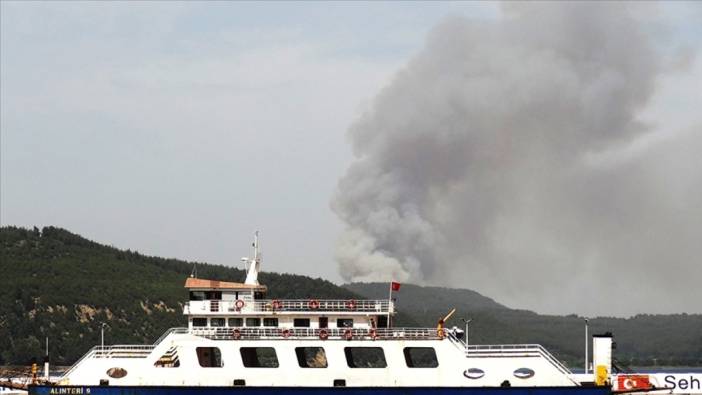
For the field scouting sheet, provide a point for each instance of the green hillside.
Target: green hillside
(642, 340)
(58, 284)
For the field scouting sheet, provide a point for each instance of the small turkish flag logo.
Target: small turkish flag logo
(633, 381)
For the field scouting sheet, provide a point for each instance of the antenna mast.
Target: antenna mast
(254, 263)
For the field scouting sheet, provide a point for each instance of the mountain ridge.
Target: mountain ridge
(62, 285)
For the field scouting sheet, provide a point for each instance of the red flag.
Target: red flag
(633, 381)
(395, 286)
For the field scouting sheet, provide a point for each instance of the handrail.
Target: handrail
(290, 305)
(330, 333)
(506, 348)
(176, 330)
(123, 350)
(75, 365)
(104, 352)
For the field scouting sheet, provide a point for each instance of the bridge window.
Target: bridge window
(259, 357)
(199, 321)
(311, 357)
(197, 295)
(217, 322)
(365, 357)
(209, 357)
(253, 322)
(344, 323)
(301, 322)
(236, 322)
(270, 322)
(213, 295)
(420, 357)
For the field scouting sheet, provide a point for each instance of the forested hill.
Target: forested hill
(642, 340)
(57, 284)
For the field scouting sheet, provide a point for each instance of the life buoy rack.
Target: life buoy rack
(239, 304)
(351, 304)
(323, 334)
(373, 334)
(286, 333)
(348, 334)
(277, 304)
(313, 304)
(236, 334)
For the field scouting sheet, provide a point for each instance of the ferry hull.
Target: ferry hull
(179, 390)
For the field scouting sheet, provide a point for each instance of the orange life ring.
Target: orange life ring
(277, 304)
(313, 304)
(348, 334)
(373, 334)
(239, 304)
(286, 333)
(323, 334)
(236, 334)
(351, 304)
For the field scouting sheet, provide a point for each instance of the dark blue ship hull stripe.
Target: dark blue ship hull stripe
(243, 390)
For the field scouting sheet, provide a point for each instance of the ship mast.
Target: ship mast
(254, 263)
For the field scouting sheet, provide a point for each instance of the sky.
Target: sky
(179, 128)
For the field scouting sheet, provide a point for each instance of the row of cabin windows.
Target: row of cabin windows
(269, 322)
(217, 295)
(315, 357)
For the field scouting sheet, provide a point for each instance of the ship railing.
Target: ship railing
(288, 305)
(314, 333)
(516, 350)
(169, 332)
(123, 351)
(116, 351)
(87, 355)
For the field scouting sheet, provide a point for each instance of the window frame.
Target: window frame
(222, 320)
(342, 320)
(216, 355)
(230, 320)
(200, 319)
(348, 353)
(299, 353)
(410, 362)
(245, 361)
(246, 322)
(270, 319)
(296, 320)
(197, 296)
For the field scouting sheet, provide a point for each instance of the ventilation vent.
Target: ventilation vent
(339, 383)
(523, 373)
(474, 373)
(116, 373)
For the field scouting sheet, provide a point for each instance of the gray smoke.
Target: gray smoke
(504, 158)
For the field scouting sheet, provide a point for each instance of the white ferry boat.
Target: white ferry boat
(239, 342)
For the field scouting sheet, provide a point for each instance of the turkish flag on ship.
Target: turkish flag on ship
(633, 381)
(395, 286)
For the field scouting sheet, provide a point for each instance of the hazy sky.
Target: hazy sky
(177, 129)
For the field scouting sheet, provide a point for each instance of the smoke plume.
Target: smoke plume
(503, 158)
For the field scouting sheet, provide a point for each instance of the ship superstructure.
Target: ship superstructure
(238, 338)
